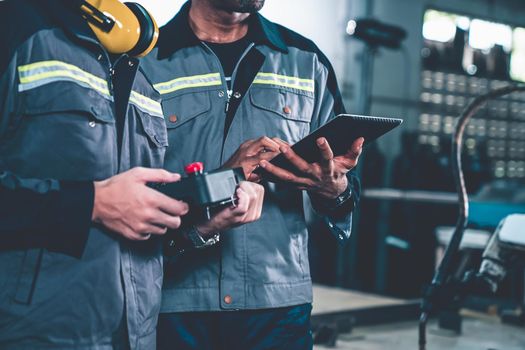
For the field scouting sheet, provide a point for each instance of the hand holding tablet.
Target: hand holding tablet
(326, 152)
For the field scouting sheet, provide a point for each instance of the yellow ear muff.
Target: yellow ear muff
(149, 33)
(133, 30)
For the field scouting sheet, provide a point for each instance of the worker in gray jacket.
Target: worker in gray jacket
(80, 262)
(80, 254)
(237, 89)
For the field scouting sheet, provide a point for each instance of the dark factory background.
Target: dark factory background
(453, 52)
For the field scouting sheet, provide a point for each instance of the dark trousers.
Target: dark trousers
(286, 328)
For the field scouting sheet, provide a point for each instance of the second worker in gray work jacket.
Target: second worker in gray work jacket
(280, 86)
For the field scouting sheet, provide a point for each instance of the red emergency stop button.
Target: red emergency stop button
(194, 168)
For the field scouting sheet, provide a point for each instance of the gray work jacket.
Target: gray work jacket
(286, 89)
(66, 283)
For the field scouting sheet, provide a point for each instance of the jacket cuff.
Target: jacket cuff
(71, 213)
(335, 208)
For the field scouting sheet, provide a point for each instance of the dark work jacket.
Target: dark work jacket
(284, 87)
(65, 282)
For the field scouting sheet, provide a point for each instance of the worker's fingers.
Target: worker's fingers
(327, 155)
(165, 220)
(169, 205)
(285, 175)
(264, 144)
(146, 175)
(299, 163)
(325, 149)
(280, 142)
(350, 158)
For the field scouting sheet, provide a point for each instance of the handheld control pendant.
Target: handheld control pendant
(205, 193)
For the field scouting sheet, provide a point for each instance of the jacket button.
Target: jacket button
(287, 110)
(228, 299)
(237, 95)
(173, 118)
(221, 93)
(92, 124)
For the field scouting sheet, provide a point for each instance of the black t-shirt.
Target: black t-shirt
(229, 54)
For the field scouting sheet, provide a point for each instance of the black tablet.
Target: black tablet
(340, 132)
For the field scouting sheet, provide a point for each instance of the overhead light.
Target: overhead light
(350, 27)
(376, 33)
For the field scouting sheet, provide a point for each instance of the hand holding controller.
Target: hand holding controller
(206, 193)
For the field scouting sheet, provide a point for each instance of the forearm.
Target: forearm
(49, 214)
(196, 233)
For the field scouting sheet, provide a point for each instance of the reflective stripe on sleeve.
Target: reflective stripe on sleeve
(45, 72)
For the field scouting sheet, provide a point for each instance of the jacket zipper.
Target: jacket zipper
(106, 56)
(229, 92)
(111, 71)
(234, 73)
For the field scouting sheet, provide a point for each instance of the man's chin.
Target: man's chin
(250, 6)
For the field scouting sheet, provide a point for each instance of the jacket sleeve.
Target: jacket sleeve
(36, 213)
(328, 104)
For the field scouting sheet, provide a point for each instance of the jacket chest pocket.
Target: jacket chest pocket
(192, 129)
(183, 108)
(154, 130)
(64, 131)
(285, 113)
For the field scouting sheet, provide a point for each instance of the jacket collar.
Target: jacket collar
(177, 33)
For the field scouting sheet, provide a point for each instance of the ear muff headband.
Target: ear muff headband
(133, 32)
(149, 31)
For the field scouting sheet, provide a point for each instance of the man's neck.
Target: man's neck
(216, 25)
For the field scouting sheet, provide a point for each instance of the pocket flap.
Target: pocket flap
(155, 128)
(183, 108)
(64, 97)
(286, 103)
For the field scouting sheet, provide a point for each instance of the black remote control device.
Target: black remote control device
(205, 192)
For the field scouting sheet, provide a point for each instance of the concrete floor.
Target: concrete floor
(479, 333)
(330, 299)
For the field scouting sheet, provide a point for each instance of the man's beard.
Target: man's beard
(249, 6)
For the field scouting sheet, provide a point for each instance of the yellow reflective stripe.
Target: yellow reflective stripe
(279, 76)
(285, 81)
(146, 104)
(59, 74)
(45, 72)
(193, 81)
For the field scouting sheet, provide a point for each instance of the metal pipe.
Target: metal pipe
(443, 273)
(411, 195)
